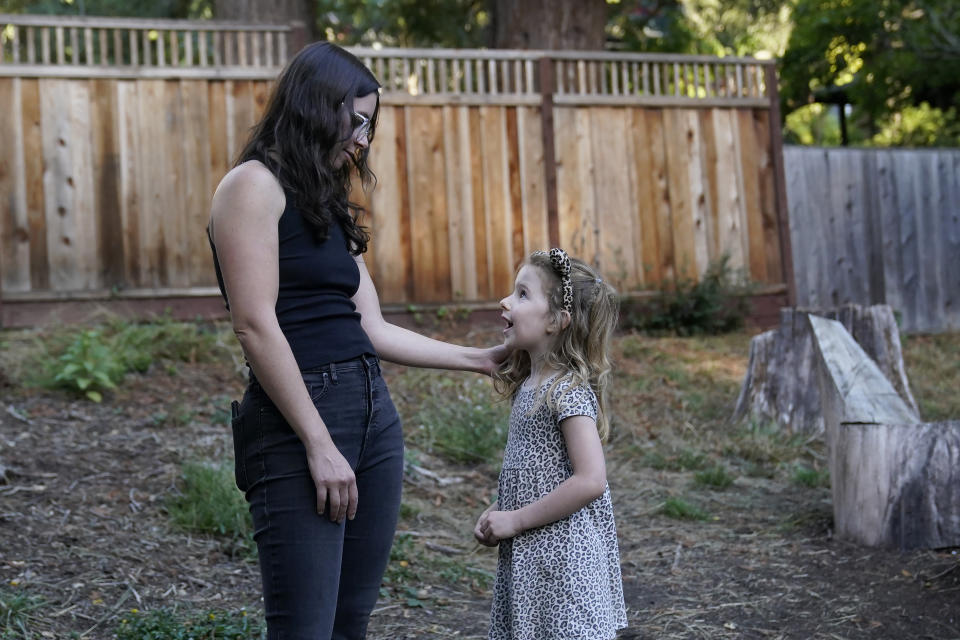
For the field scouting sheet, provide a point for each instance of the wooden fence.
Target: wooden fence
(878, 226)
(116, 132)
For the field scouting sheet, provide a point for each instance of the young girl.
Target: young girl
(558, 574)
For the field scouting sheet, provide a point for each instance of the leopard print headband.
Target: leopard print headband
(560, 262)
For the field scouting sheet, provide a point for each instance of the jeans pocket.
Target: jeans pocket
(317, 385)
(239, 462)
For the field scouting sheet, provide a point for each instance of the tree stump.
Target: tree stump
(895, 481)
(781, 381)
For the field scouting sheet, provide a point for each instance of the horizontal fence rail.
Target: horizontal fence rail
(70, 46)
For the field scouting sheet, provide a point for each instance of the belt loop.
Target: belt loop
(333, 372)
(370, 362)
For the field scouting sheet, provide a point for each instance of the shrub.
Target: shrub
(88, 366)
(90, 362)
(716, 303)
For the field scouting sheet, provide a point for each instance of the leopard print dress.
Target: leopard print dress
(560, 581)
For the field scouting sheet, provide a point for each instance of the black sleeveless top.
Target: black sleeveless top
(314, 305)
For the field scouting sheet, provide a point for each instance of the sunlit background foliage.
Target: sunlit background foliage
(888, 66)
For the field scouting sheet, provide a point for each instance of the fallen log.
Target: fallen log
(895, 481)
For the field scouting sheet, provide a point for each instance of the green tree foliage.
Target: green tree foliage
(894, 61)
(710, 27)
(405, 23)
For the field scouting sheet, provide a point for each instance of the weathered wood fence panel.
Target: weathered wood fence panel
(662, 163)
(877, 226)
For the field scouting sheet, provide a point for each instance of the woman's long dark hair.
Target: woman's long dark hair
(303, 126)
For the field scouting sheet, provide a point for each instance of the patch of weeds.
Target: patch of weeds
(479, 580)
(757, 470)
(402, 570)
(90, 361)
(408, 511)
(682, 460)
(812, 478)
(765, 444)
(208, 501)
(716, 477)
(680, 509)
(177, 417)
(462, 421)
(817, 520)
(17, 613)
(170, 624)
(716, 303)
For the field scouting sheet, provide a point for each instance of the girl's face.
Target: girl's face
(356, 132)
(527, 314)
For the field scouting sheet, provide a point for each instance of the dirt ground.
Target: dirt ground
(83, 526)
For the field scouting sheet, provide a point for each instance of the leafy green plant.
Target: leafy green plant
(16, 613)
(716, 477)
(94, 360)
(208, 501)
(170, 624)
(680, 509)
(88, 366)
(716, 303)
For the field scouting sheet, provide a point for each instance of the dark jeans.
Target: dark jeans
(321, 579)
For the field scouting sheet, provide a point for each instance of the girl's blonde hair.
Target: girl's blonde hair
(582, 348)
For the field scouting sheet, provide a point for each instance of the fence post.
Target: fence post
(780, 182)
(298, 40)
(549, 150)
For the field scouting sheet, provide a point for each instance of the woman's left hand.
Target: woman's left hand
(493, 356)
(500, 525)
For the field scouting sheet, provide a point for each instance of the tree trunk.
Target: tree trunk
(275, 12)
(895, 481)
(781, 381)
(550, 24)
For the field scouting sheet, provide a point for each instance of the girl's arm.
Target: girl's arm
(406, 347)
(243, 222)
(588, 482)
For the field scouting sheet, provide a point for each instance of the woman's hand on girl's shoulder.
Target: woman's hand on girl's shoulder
(493, 356)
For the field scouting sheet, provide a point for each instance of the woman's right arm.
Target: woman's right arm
(243, 224)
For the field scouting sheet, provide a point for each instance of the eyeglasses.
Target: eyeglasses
(361, 125)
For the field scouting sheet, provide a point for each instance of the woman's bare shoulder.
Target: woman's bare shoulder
(251, 176)
(248, 189)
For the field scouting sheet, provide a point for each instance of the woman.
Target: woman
(318, 444)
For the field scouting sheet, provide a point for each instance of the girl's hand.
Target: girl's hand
(335, 482)
(481, 526)
(499, 525)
